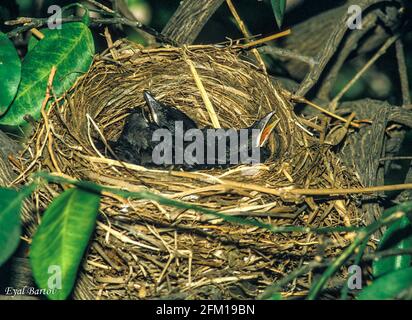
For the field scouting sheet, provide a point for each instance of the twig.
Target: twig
(96, 246)
(352, 40)
(121, 8)
(329, 113)
(109, 41)
(46, 118)
(245, 32)
(275, 51)
(316, 192)
(266, 39)
(37, 33)
(396, 158)
(48, 88)
(203, 93)
(40, 148)
(375, 57)
(124, 238)
(29, 23)
(101, 6)
(148, 196)
(403, 73)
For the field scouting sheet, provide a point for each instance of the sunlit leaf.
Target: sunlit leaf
(70, 50)
(398, 236)
(61, 239)
(388, 286)
(279, 7)
(10, 71)
(10, 228)
(33, 41)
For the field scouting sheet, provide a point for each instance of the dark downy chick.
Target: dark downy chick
(165, 116)
(135, 144)
(264, 127)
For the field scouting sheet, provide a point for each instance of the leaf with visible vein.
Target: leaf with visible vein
(10, 72)
(33, 41)
(70, 50)
(62, 238)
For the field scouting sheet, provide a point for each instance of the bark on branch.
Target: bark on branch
(189, 19)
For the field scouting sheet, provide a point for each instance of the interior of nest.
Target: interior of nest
(162, 251)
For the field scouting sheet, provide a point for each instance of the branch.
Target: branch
(363, 149)
(189, 19)
(29, 23)
(290, 54)
(401, 116)
(357, 76)
(331, 47)
(403, 73)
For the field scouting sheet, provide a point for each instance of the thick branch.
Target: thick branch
(189, 19)
(330, 48)
(403, 73)
(364, 148)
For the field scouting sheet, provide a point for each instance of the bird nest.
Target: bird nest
(142, 249)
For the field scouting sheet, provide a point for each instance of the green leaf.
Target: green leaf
(276, 296)
(33, 41)
(61, 239)
(397, 236)
(10, 228)
(388, 286)
(279, 7)
(70, 49)
(10, 72)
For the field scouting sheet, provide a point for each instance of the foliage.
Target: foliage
(70, 49)
(62, 237)
(278, 7)
(398, 235)
(10, 229)
(10, 70)
(393, 218)
(389, 286)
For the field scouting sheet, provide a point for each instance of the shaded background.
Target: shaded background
(381, 81)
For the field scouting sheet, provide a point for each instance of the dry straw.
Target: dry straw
(144, 250)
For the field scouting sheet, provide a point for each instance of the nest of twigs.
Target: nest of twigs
(144, 250)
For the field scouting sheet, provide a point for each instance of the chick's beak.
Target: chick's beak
(266, 126)
(152, 105)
